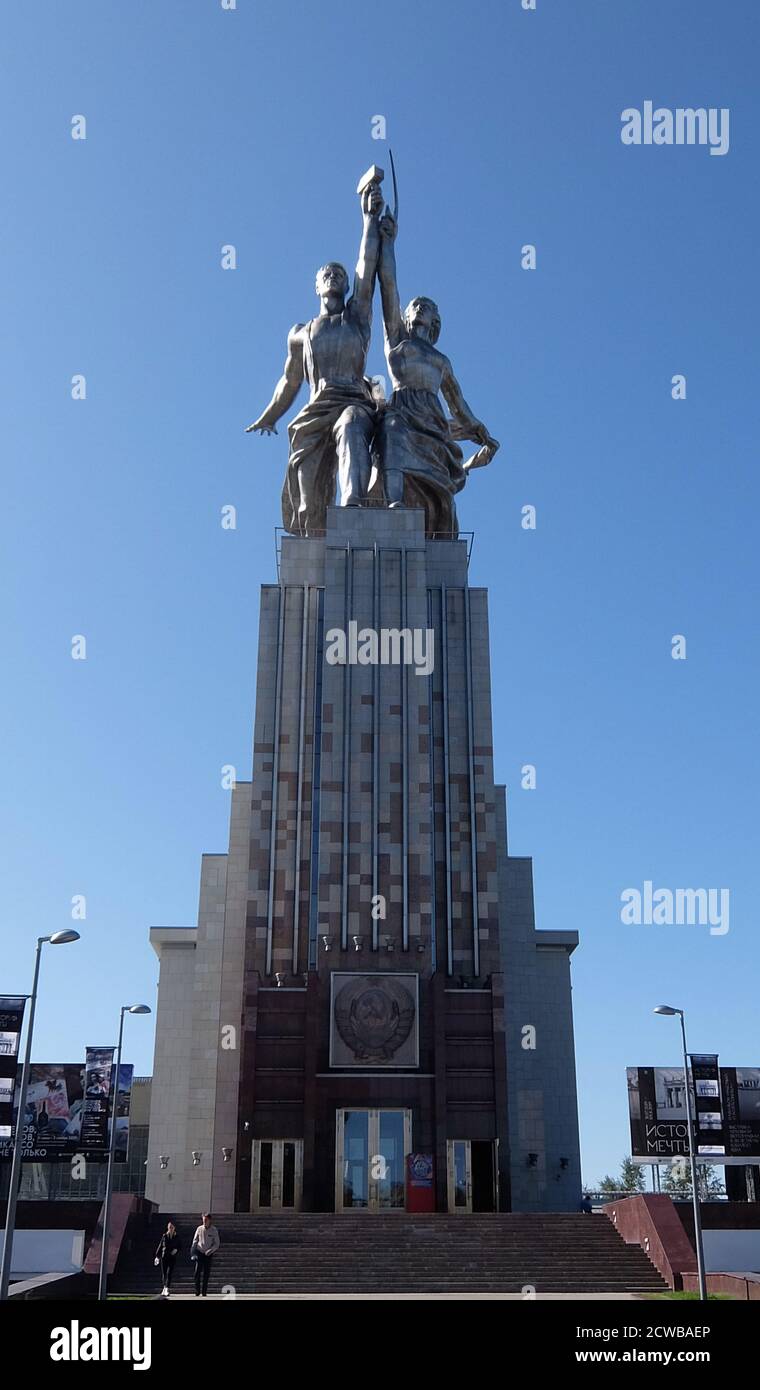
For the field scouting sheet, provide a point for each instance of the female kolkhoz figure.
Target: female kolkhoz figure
(420, 461)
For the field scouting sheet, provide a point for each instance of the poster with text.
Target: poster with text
(55, 1112)
(11, 1019)
(97, 1097)
(726, 1102)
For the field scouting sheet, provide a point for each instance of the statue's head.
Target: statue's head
(332, 279)
(423, 319)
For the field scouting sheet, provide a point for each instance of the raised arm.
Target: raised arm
(392, 319)
(287, 387)
(369, 251)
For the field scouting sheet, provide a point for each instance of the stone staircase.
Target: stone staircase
(398, 1253)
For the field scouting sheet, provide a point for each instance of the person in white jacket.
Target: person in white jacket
(206, 1242)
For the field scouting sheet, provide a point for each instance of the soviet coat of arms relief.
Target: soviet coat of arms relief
(374, 1020)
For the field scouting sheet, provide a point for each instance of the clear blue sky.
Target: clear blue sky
(250, 127)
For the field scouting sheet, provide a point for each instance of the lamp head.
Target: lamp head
(138, 1009)
(62, 938)
(666, 1009)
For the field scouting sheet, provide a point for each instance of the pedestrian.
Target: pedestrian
(206, 1242)
(167, 1251)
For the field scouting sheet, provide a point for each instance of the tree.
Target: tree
(710, 1184)
(631, 1176)
(677, 1180)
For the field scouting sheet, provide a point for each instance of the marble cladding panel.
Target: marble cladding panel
(383, 722)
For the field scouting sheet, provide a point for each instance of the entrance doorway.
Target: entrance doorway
(471, 1175)
(370, 1159)
(277, 1176)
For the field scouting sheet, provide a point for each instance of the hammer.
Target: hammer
(372, 179)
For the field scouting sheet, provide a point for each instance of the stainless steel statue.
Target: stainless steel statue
(331, 436)
(340, 432)
(420, 460)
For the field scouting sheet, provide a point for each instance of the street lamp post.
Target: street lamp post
(59, 938)
(667, 1010)
(106, 1232)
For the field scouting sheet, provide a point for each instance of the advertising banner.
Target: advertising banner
(58, 1124)
(98, 1070)
(11, 1019)
(708, 1106)
(741, 1111)
(657, 1110)
(726, 1103)
(123, 1106)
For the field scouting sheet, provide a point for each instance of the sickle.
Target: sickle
(395, 186)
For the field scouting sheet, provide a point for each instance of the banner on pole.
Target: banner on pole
(98, 1076)
(67, 1112)
(11, 1019)
(726, 1104)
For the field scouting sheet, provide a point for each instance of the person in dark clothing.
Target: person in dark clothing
(206, 1242)
(167, 1251)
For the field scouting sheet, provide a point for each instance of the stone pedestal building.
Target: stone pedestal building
(365, 982)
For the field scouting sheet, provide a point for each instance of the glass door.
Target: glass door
(277, 1175)
(370, 1159)
(459, 1175)
(353, 1171)
(390, 1152)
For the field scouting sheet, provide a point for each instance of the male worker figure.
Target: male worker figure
(331, 436)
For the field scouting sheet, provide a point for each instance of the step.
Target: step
(313, 1252)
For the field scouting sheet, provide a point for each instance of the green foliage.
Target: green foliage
(608, 1184)
(676, 1181)
(631, 1176)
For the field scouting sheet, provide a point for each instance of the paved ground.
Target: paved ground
(399, 1297)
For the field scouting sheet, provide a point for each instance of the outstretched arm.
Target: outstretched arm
(287, 387)
(464, 424)
(394, 323)
(369, 251)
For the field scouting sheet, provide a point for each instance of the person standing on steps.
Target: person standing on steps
(166, 1255)
(206, 1242)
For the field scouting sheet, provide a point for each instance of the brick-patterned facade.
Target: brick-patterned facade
(375, 842)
